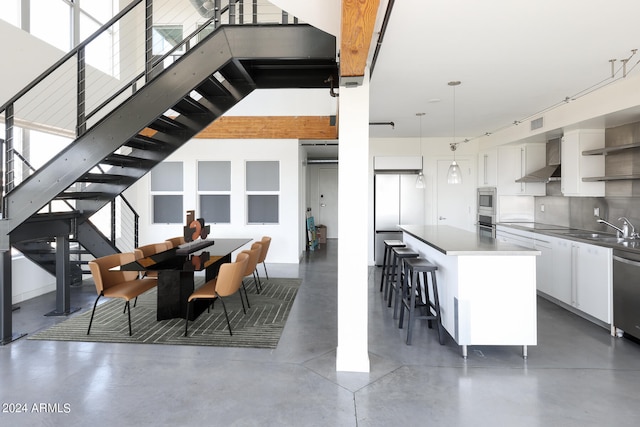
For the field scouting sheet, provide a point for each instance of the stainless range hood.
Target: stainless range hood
(546, 174)
(551, 172)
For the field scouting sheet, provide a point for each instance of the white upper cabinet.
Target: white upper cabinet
(488, 168)
(516, 161)
(575, 166)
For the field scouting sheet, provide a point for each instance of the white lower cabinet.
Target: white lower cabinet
(577, 274)
(554, 267)
(544, 266)
(592, 280)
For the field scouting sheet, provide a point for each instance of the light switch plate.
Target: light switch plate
(596, 212)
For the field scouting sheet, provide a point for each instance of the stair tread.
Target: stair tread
(104, 178)
(122, 160)
(75, 195)
(167, 125)
(188, 106)
(143, 142)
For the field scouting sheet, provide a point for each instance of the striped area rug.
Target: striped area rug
(261, 327)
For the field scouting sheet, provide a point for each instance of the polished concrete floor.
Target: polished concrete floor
(577, 375)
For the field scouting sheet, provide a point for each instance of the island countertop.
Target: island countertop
(455, 241)
(486, 288)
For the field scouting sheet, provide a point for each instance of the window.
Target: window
(167, 185)
(263, 192)
(53, 21)
(214, 189)
(262, 209)
(165, 38)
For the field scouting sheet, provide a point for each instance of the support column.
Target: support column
(353, 198)
(6, 309)
(5, 297)
(63, 278)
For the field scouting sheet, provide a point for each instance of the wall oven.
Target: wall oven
(487, 201)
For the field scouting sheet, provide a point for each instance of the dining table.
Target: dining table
(176, 269)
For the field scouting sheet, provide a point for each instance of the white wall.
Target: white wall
(322, 14)
(285, 245)
(594, 110)
(25, 58)
(29, 280)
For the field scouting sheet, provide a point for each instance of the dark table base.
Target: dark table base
(174, 289)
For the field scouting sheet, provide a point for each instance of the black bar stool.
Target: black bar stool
(412, 297)
(397, 256)
(388, 245)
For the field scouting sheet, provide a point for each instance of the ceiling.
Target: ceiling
(514, 58)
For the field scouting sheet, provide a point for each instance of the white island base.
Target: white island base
(487, 290)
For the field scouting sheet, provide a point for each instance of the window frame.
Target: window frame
(214, 192)
(274, 192)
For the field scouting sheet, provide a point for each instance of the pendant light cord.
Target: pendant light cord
(454, 144)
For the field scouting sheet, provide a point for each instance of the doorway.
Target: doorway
(328, 200)
(456, 202)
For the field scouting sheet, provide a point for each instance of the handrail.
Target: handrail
(156, 61)
(70, 54)
(136, 221)
(232, 13)
(184, 42)
(197, 31)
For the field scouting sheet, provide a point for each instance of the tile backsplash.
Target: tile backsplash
(578, 212)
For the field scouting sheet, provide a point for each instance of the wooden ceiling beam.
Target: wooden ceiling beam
(271, 127)
(358, 21)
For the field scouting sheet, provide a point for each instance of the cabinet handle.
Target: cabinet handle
(523, 162)
(486, 174)
(626, 261)
(575, 253)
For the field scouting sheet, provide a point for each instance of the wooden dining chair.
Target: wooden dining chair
(228, 282)
(115, 283)
(175, 242)
(266, 242)
(147, 251)
(252, 263)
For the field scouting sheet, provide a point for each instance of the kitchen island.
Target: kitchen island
(487, 288)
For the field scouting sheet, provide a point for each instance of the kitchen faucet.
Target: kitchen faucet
(624, 231)
(625, 228)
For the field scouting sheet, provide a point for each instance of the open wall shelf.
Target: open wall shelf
(610, 150)
(610, 178)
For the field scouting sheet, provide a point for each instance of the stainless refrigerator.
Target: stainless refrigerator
(396, 201)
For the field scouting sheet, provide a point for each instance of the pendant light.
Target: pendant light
(454, 174)
(420, 179)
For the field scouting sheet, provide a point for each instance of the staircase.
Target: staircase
(173, 106)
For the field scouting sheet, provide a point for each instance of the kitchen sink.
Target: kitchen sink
(608, 238)
(592, 235)
(630, 243)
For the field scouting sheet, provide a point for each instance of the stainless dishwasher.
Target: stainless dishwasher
(626, 292)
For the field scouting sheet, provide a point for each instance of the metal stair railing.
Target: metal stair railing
(124, 225)
(72, 95)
